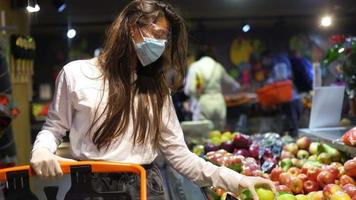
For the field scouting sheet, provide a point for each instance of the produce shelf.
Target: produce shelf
(330, 136)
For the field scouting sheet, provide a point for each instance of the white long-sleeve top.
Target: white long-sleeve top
(78, 91)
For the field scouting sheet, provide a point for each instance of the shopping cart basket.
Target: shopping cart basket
(76, 182)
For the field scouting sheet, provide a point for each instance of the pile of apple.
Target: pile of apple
(314, 171)
(305, 170)
(238, 144)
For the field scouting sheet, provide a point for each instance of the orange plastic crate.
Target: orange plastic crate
(275, 93)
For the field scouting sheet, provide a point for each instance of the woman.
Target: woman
(204, 85)
(118, 107)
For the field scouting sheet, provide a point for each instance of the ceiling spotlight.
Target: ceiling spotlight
(60, 5)
(326, 21)
(246, 28)
(71, 33)
(32, 6)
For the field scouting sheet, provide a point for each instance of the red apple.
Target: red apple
(222, 151)
(303, 177)
(332, 168)
(224, 160)
(350, 168)
(242, 141)
(291, 147)
(303, 142)
(345, 179)
(294, 171)
(296, 185)
(330, 189)
(284, 178)
(286, 154)
(219, 191)
(325, 177)
(350, 189)
(247, 172)
(228, 146)
(275, 173)
(336, 164)
(310, 186)
(282, 188)
(257, 173)
(342, 170)
(313, 173)
(242, 152)
(304, 170)
(254, 150)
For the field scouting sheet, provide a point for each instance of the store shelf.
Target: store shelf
(330, 136)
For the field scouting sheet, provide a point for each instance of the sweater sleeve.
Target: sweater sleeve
(190, 165)
(59, 116)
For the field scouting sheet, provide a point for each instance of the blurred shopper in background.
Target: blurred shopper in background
(204, 85)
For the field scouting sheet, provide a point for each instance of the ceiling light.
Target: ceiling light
(60, 5)
(71, 33)
(32, 6)
(326, 21)
(246, 28)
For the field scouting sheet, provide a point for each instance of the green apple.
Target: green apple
(324, 158)
(214, 134)
(313, 157)
(234, 134)
(215, 140)
(223, 196)
(286, 163)
(302, 154)
(286, 196)
(300, 163)
(227, 134)
(334, 154)
(313, 148)
(198, 150)
(264, 194)
(301, 197)
(246, 195)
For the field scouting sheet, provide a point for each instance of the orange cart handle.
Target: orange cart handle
(96, 167)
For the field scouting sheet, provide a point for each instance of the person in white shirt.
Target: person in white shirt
(117, 107)
(204, 85)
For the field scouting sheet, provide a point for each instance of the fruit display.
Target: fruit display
(301, 169)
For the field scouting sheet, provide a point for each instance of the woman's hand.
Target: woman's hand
(46, 164)
(250, 183)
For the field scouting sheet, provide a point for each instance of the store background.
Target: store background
(217, 23)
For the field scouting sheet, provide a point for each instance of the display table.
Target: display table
(330, 136)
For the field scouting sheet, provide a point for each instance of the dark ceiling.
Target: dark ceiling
(93, 14)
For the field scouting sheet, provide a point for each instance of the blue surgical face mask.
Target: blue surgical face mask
(150, 49)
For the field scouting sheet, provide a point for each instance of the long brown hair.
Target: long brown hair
(150, 91)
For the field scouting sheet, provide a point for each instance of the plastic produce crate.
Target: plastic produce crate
(20, 183)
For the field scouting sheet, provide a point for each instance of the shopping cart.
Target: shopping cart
(74, 184)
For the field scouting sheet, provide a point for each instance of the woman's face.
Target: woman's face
(157, 30)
